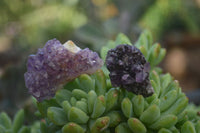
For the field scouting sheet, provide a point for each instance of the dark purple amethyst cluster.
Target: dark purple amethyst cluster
(56, 64)
(129, 70)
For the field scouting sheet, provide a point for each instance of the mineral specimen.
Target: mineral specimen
(56, 64)
(129, 69)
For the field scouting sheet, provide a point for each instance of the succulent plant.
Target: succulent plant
(91, 99)
(17, 125)
(88, 97)
(92, 103)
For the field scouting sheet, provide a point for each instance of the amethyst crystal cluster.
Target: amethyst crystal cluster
(129, 69)
(56, 64)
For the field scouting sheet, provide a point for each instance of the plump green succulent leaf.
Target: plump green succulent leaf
(174, 85)
(153, 53)
(66, 106)
(144, 51)
(92, 96)
(138, 105)
(57, 115)
(123, 128)
(86, 83)
(18, 121)
(168, 100)
(156, 101)
(77, 115)
(109, 84)
(156, 88)
(5, 120)
(115, 118)
(73, 101)
(160, 57)
(151, 114)
(180, 104)
(165, 121)
(136, 125)
(143, 41)
(72, 128)
(152, 98)
(188, 127)
(127, 107)
(111, 99)
(99, 107)
(122, 39)
(82, 105)
(100, 124)
(149, 37)
(155, 77)
(62, 95)
(78, 94)
(100, 82)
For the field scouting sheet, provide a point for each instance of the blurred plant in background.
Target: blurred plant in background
(166, 15)
(26, 25)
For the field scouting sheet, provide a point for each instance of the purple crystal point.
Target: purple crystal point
(129, 69)
(56, 64)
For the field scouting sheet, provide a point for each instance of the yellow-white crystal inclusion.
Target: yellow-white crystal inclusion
(69, 45)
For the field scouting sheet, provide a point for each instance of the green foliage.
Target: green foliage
(153, 53)
(165, 15)
(193, 113)
(17, 125)
(5, 120)
(89, 104)
(92, 106)
(72, 128)
(56, 115)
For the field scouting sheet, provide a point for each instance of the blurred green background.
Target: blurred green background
(26, 25)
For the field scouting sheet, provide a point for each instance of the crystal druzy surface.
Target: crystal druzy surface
(129, 69)
(56, 64)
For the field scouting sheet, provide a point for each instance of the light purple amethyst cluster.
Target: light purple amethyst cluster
(56, 64)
